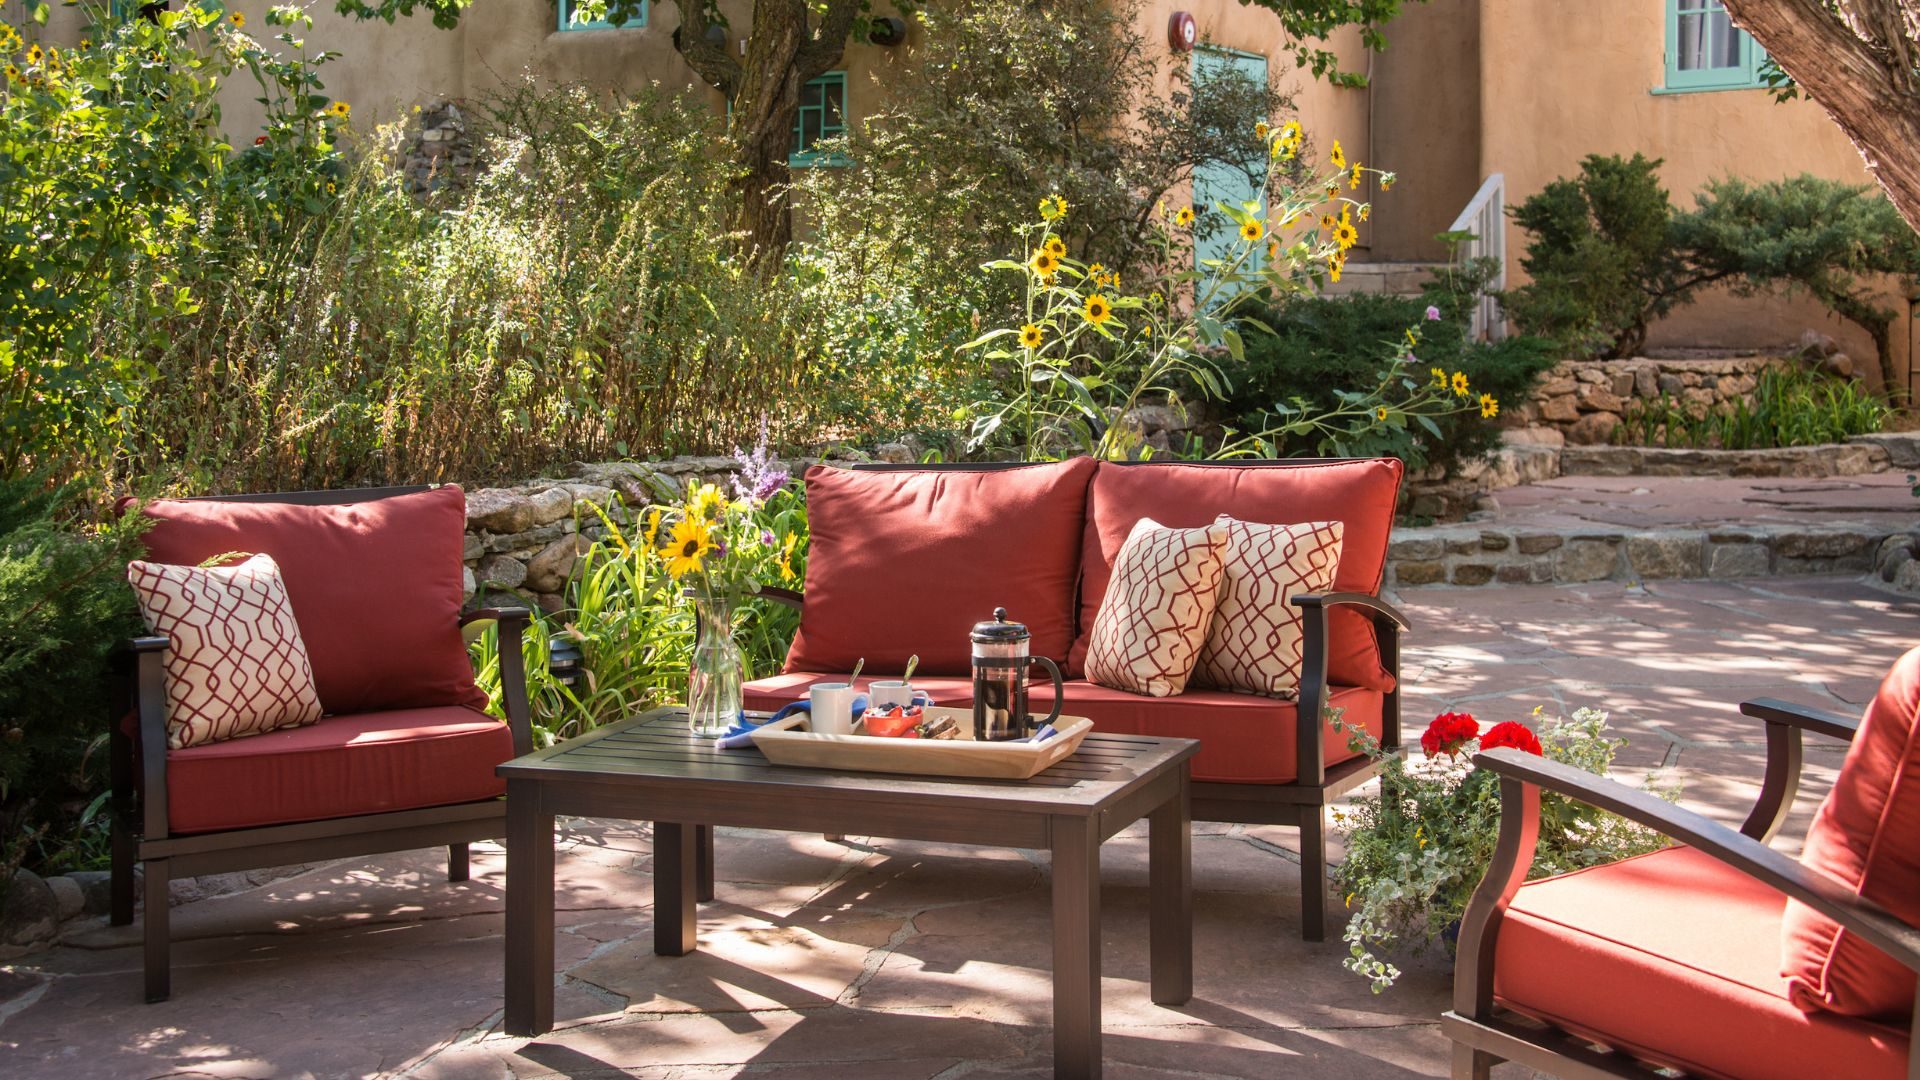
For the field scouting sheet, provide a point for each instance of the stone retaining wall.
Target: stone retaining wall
(1585, 399)
(1468, 555)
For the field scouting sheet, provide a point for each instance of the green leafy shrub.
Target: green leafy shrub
(1322, 347)
(64, 606)
(1601, 256)
(1790, 407)
(1805, 234)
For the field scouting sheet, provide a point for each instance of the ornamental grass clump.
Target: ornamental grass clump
(1418, 846)
(1089, 349)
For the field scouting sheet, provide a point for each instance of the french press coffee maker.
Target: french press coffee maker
(1000, 664)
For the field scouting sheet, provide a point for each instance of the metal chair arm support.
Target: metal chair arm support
(1785, 721)
(1310, 737)
(513, 622)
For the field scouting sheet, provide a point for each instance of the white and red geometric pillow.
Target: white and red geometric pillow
(1154, 617)
(235, 662)
(1255, 644)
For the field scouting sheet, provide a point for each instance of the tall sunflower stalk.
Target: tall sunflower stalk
(1089, 350)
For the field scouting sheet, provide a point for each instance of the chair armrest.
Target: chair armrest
(1804, 717)
(1785, 721)
(141, 668)
(1523, 776)
(781, 595)
(1310, 736)
(513, 669)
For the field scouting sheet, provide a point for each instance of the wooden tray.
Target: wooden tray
(784, 744)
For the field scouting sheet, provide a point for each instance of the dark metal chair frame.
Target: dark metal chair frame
(1301, 804)
(1484, 1035)
(138, 765)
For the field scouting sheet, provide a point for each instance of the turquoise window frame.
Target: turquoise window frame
(1744, 75)
(564, 8)
(803, 156)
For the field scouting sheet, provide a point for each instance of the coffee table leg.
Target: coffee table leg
(1076, 946)
(676, 874)
(703, 843)
(1170, 885)
(529, 911)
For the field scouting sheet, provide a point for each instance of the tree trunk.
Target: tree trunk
(1860, 72)
(763, 95)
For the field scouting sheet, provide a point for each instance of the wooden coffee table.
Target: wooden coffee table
(650, 768)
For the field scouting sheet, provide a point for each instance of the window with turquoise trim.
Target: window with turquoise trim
(1705, 51)
(634, 22)
(823, 113)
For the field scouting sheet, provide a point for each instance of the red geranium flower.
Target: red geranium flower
(260, 140)
(1509, 733)
(1449, 733)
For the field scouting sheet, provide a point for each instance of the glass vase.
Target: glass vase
(716, 670)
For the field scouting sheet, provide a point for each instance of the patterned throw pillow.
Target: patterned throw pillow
(1155, 614)
(235, 663)
(1255, 644)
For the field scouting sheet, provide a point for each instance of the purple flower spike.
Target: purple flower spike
(1433, 313)
(766, 537)
(760, 475)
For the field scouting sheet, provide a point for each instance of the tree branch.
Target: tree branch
(822, 53)
(712, 62)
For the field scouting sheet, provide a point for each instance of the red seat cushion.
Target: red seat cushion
(1866, 834)
(344, 765)
(1674, 956)
(375, 586)
(1244, 739)
(937, 550)
(1362, 494)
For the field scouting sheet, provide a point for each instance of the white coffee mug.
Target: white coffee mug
(891, 692)
(831, 708)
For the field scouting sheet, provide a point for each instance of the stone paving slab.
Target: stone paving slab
(889, 959)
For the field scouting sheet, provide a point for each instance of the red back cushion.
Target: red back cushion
(906, 561)
(1362, 494)
(375, 587)
(1867, 834)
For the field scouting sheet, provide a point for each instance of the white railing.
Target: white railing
(1486, 219)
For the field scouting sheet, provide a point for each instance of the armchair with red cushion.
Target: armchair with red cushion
(404, 755)
(1721, 956)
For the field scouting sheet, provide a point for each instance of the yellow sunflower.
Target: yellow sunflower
(1183, 217)
(692, 542)
(1460, 383)
(1334, 267)
(1273, 251)
(1260, 130)
(1439, 376)
(1366, 211)
(1358, 172)
(1337, 156)
(35, 54)
(1146, 329)
(707, 503)
(13, 73)
(1055, 247)
(1386, 180)
(1053, 207)
(1098, 309)
(340, 109)
(1489, 407)
(786, 557)
(1380, 412)
(1252, 231)
(1345, 234)
(1044, 263)
(1031, 336)
(238, 19)
(654, 517)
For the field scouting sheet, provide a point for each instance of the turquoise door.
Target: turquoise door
(1214, 235)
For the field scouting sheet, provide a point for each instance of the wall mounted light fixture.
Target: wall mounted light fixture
(1181, 31)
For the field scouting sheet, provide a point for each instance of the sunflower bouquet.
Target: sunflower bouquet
(713, 544)
(1089, 350)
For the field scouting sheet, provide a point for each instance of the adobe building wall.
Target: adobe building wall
(1560, 81)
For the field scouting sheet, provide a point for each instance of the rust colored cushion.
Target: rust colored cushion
(1672, 956)
(376, 587)
(1244, 739)
(1160, 601)
(936, 550)
(235, 663)
(339, 767)
(1361, 494)
(1866, 834)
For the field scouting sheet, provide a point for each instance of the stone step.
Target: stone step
(1389, 278)
(1475, 555)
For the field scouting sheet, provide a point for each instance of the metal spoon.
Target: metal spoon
(912, 662)
(855, 677)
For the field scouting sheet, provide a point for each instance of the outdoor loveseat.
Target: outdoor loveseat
(903, 560)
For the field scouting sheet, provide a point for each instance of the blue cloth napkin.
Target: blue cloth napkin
(741, 733)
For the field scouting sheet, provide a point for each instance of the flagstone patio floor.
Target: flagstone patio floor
(901, 960)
